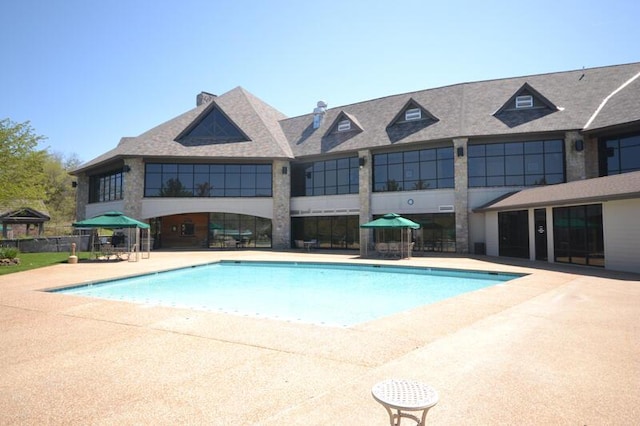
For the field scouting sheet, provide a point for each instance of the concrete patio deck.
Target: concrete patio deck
(560, 346)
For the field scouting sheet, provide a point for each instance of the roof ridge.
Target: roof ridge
(279, 139)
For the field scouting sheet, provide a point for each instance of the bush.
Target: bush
(9, 252)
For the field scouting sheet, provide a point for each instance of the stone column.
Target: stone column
(133, 187)
(82, 196)
(591, 160)
(281, 222)
(575, 156)
(365, 190)
(460, 168)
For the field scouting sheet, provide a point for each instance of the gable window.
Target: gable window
(344, 126)
(524, 101)
(215, 127)
(413, 114)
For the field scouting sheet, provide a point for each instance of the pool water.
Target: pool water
(319, 293)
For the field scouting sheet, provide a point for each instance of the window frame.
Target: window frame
(106, 187)
(524, 101)
(219, 180)
(343, 126)
(414, 170)
(522, 163)
(413, 114)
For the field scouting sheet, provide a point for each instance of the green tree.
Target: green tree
(60, 194)
(21, 170)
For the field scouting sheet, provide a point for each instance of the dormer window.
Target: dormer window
(344, 126)
(524, 101)
(413, 114)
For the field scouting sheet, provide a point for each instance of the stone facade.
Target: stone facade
(82, 196)
(574, 156)
(364, 177)
(133, 185)
(281, 231)
(461, 195)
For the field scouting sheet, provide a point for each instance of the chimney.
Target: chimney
(318, 114)
(204, 98)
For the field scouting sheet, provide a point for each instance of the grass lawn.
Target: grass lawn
(38, 260)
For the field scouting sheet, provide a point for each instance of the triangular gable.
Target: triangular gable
(539, 101)
(210, 127)
(344, 116)
(23, 214)
(425, 115)
(513, 114)
(400, 128)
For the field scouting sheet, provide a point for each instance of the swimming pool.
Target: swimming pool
(321, 293)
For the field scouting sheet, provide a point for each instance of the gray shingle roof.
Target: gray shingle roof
(615, 187)
(466, 110)
(463, 110)
(622, 107)
(257, 120)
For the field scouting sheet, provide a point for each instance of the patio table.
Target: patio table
(405, 395)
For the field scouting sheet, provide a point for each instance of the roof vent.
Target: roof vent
(318, 114)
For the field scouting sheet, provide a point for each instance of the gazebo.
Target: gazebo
(117, 220)
(31, 214)
(395, 221)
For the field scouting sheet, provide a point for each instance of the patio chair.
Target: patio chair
(382, 249)
(394, 249)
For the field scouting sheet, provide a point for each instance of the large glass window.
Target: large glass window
(330, 177)
(106, 187)
(230, 230)
(578, 236)
(207, 180)
(516, 163)
(620, 155)
(437, 232)
(413, 170)
(330, 232)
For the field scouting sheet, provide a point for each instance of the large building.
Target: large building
(540, 167)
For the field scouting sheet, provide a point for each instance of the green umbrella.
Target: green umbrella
(391, 220)
(111, 220)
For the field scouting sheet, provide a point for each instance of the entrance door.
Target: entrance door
(513, 232)
(540, 219)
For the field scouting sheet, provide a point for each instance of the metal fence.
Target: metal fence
(49, 244)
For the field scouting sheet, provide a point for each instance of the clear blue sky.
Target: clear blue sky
(86, 72)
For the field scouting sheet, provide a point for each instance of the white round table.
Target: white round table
(405, 395)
